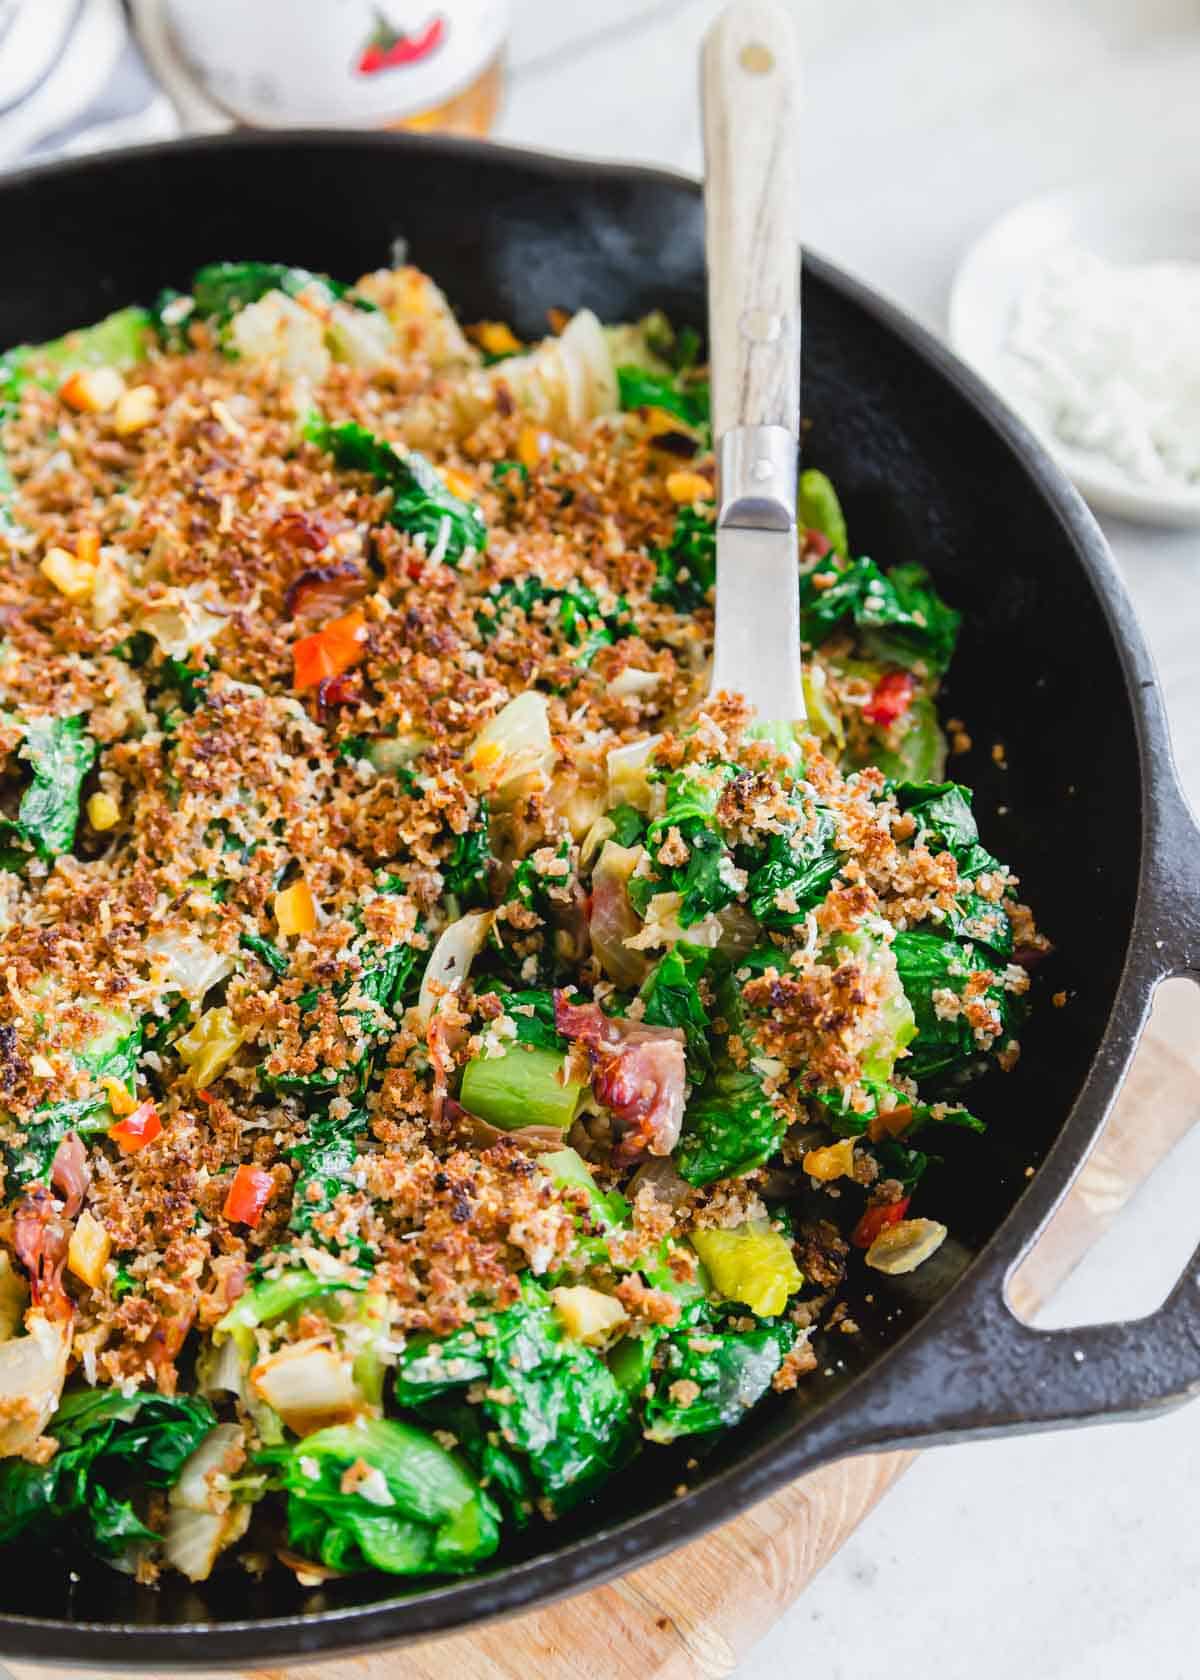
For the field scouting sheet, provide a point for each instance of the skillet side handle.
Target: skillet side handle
(986, 1372)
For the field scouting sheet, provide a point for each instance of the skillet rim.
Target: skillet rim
(638, 1540)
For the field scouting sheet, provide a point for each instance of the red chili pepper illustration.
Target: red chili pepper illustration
(388, 48)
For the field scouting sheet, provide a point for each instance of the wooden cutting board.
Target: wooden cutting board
(695, 1614)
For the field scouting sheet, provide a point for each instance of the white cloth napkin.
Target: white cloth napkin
(72, 80)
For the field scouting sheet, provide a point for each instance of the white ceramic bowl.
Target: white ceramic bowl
(1129, 221)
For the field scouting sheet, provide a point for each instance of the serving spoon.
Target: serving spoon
(750, 90)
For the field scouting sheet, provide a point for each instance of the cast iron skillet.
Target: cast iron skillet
(1052, 664)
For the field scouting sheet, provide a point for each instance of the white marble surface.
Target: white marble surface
(1067, 1556)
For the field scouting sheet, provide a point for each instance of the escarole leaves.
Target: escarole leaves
(109, 1444)
(724, 1371)
(220, 289)
(671, 998)
(902, 617)
(574, 610)
(422, 504)
(947, 981)
(382, 1494)
(679, 393)
(795, 872)
(946, 823)
(119, 341)
(687, 566)
(554, 1401)
(58, 754)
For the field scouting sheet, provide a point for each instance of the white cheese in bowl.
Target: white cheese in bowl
(1107, 358)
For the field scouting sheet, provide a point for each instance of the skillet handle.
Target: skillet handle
(983, 1371)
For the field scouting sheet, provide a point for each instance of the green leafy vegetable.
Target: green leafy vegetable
(367, 1004)
(221, 289)
(570, 1171)
(795, 868)
(119, 341)
(937, 974)
(323, 1162)
(112, 1053)
(273, 1298)
(678, 393)
(554, 1401)
(706, 882)
(946, 822)
(265, 951)
(423, 1513)
(671, 998)
(732, 1369)
(902, 617)
(729, 1127)
(190, 681)
(920, 753)
(628, 825)
(532, 1014)
(422, 505)
(687, 567)
(59, 755)
(467, 871)
(109, 1444)
(573, 610)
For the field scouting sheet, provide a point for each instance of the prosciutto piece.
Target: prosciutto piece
(41, 1238)
(638, 1075)
(70, 1173)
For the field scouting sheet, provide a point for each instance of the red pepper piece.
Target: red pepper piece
(249, 1194)
(136, 1130)
(891, 699)
(877, 1219)
(334, 648)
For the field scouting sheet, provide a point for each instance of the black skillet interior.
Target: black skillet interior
(924, 476)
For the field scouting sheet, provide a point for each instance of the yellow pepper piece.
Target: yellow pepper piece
(103, 812)
(135, 410)
(458, 483)
(486, 755)
(209, 1047)
(120, 1099)
(87, 547)
(295, 910)
(660, 422)
(530, 447)
(688, 487)
(497, 338)
(587, 1314)
(836, 1161)
(89, 1249)
(71, 576)
(751, 1263)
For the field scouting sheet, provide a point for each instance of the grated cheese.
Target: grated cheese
(1108, 358)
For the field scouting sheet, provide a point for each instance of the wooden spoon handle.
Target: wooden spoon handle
(751, 105)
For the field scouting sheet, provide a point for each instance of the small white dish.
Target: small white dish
(1123, 221)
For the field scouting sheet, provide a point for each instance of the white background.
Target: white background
(1064, 1557)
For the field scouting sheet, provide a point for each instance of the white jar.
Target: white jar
(346, 63)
